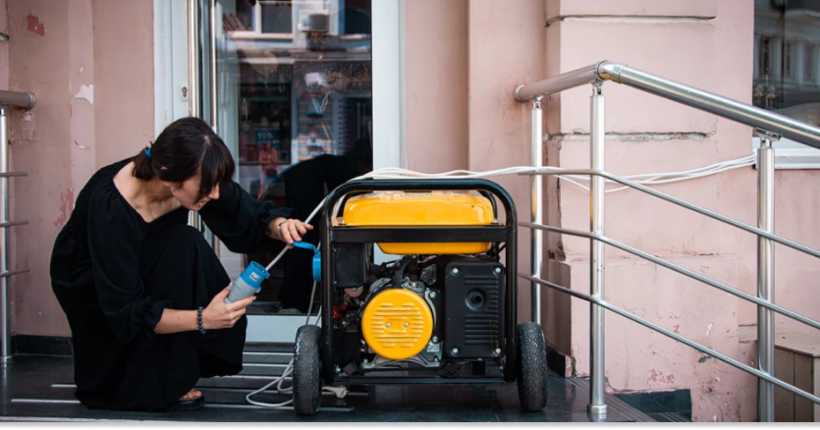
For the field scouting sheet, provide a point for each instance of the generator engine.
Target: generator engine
(439, 301)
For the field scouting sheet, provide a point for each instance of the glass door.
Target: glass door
(295, 107)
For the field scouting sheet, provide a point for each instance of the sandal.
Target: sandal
(187, 405)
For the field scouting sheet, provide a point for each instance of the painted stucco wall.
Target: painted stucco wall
(437, 84)
(4, 47)
(90, 64)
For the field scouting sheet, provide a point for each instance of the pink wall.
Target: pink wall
(4, 47)
(60, 51)
(124, 61)
(437, 85)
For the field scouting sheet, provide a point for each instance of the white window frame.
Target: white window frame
(792, 155)
(170, 70)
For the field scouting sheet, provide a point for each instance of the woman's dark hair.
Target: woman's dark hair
(186, 148)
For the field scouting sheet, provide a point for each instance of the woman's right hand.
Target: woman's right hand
(219, 314)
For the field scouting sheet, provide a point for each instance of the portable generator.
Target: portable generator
(443, 312)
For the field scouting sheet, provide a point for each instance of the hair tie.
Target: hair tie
(148, 152)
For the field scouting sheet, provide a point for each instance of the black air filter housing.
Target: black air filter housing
(474, 306)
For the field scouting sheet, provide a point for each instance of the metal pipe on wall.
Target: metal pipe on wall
(17, 99)
(597, 404)
(212, 81)
(212, 17)
(537, 212)
(564, 81)
(5, 311)
(194, 86)
(194, 60)
(765, 277)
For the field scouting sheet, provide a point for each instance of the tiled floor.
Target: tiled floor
(40, 388)
(663, 406)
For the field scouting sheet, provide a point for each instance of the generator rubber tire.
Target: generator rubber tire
(532, 367)
(307, 381)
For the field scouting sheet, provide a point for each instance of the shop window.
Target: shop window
(787, 35)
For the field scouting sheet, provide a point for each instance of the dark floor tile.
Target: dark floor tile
(28, 391)
(51, 345)
(662, 401)
(670, 417)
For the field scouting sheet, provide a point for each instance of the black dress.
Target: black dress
(113, 274)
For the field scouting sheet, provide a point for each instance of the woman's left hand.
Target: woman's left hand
(290, 230)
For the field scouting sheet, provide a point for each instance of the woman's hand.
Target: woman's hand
(289, 230)
(219, 314)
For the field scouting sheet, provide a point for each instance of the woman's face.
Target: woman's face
(187, 192)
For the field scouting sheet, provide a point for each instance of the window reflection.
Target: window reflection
(296, 110)
(787, 37)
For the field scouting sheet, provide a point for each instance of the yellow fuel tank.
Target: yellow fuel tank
(421, 209)
(397, 324)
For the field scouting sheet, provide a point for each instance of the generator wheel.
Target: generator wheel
(532, 369)
(307, 382)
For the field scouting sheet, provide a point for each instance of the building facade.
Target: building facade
(435, 94)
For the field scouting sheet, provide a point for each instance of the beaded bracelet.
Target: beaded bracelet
(199, 320)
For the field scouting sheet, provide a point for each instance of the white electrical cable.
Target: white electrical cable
(398, 173)
(666, 178)
(339, 391)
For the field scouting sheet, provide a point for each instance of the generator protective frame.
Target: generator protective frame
(331, 234)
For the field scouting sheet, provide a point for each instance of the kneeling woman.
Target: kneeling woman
(144, 292)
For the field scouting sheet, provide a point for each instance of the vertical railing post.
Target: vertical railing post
(597, 404)
(5, 309)
(194, 86)
(765, 276)
(537, 213)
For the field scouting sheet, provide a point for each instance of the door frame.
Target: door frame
(389, 106)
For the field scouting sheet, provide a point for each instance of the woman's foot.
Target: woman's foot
(189, 402)
(193, 394)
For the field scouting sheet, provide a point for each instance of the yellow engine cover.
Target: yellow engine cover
(397, 324)
(419, 209)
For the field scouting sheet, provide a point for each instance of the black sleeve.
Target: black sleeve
(114, 242)
(241, 222)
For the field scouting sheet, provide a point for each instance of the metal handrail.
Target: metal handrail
(25, 100)
(768, 125)
(14, 272)
(683, 271)
(668, 333)
(672, 90)
(17, 99)
(711, 214)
